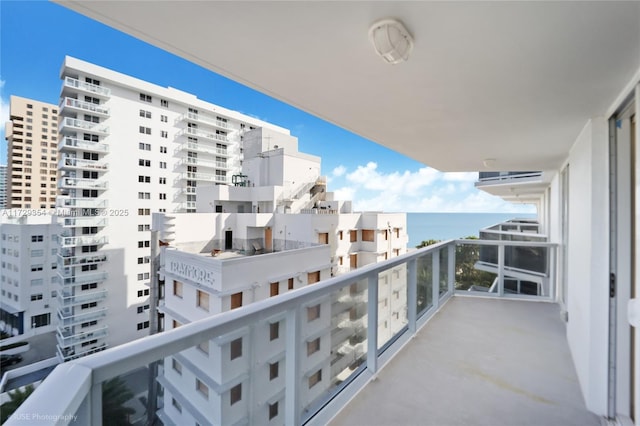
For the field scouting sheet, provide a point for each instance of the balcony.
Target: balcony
(84, 259)
(192, 161)
(203, 148)
(72, 144)
(199, 118)
(77, 222)
(73, 85)
(89, 203)
(207, 177)
(199, 133)
(481, 359)
(74, 106)
(73, 183)
(68, 300)
(73, 126)
(67, 339)
(82, 164)
(66, 318)
(84, 240)
(82, 278)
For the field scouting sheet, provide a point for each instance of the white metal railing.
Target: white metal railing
(66, 182)
(204, 148)
(84, 259)
(82, 278)
(66, 318)
(430, 275)
(194, 161)
(76, 222)
(94, 203)
(503, 177)
(65, 299)
(66, 340)
(83, 125)
(209, 177)
(81, 163)
(204, 119)
(93, 88)
(84, 106)
(84, 240)
(69, 142)
(198, 133)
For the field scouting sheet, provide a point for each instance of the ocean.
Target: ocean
(446, 226)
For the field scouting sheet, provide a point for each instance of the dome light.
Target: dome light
(391, 40)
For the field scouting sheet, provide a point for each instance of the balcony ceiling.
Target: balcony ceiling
(513, 81)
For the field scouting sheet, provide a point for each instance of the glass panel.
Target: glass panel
(392, 303)
(424, 300)
(333, 345)
(532, 259)
(444, 270)
(475, 266)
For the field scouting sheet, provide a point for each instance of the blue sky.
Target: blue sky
(36, 35)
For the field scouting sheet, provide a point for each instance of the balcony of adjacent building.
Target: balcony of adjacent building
(72, 107)
(69, 316)
(519, 187)
(487, 357)
(82, 240)
(70, 257)
(84, 221)
(204, 176)
(72, 126)
(76, 277)
(70, 338)
(71, 163)
(204, 148)
(68, 298)
(216, 122)
(72, 86)
(203, 134)
(83, 203)
(204, 162)
(69, 143)
(80, 183)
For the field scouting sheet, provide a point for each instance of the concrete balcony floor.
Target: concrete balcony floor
(478, 361)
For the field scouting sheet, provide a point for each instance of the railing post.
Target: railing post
(435, 278)
(372, 324)
(412, 294)
(451, 265)
(292, 378)
(96, 404)
(501, 269)
(552, 253)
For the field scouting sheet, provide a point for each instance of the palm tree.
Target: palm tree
(17, 398)
(115, 394)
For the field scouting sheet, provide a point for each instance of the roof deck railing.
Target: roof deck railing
(361, 318)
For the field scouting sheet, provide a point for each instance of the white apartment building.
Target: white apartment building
(219, 261)
(127, 148)
(28, 274)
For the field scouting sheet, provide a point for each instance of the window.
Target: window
(273, 410)
(144, 146)
(163, 181)
(144, 212)
(177, 367)
(163, 150)
(164, 118)
(145, 114)
(176, 324)
(340, 235)
(143, 227)
(203, 300)
(315, 378)
(142, 244)
(313, 277)
(313, 313)
(313, 346)
(144, 195)
(235, 393)
(41, 320)
(37, 238)
(89, 324)
(37, 253)
(144, 130)
(143, 325)
(290, 283)
(353, 236)
(368, 235)
(164, 103)
(274, 287)
(89, 305)
(236, 348)
(164, 134)
(35, 268)
(163, 164)
(145, 98)
(274, 331)
(202, 388)
(273, 370)
(162, 196)
(177, 289)
(144, 179)
(144, 163)
(35, 297)
(175, 403)
(236, 300)
(323, 238)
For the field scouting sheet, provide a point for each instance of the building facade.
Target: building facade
(3, 186)
(32, 158)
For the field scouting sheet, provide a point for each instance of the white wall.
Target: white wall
(588, 262)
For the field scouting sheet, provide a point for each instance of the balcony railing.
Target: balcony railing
(366, 315)
(198, 133)
(75, 104)
(192, 161)
(70, 82)
(66, 340)
(65, 299)
(77, 222)
(89, 203)
(493, 178)
(69, 143)
(208, 177)
(204, 148)
(81, 163)
(192, 116)
(75, 125)
(80, 183)
(67, 318)
(83, 259)
(82, 278)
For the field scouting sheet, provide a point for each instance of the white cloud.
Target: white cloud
(423, 190)
(339, 171)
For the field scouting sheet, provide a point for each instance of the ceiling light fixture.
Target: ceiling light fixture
(391, 40)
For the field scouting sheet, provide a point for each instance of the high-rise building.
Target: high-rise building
(3, 186)
(128, 148)
(32, 160)
(28, 274)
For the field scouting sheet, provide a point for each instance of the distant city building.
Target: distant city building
(276, 230)
(32, 157)
(3, 186)
(28, 274)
